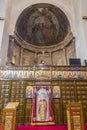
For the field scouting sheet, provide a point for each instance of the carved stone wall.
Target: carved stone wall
(22, 56)
(16, 55)
(58, 58)
(70, 50)
(28, 58)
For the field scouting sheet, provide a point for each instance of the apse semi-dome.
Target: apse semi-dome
(42, 25)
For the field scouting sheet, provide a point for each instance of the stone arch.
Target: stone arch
(65, 8)
(42, 25)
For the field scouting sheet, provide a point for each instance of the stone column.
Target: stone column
(10, 49)
(65, 56)
(21, 56)
(51, 61)
(74, 41)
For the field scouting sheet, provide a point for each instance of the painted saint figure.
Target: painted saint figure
(42, 108)
(44, 29)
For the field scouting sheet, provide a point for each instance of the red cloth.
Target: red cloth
(42, 128)
(59, 127)
(34, 111)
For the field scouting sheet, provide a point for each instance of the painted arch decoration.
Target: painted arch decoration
(42, 25)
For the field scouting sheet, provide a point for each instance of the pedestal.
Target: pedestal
(9, 116)
(75, 116)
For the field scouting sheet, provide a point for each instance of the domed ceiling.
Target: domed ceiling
(42, 25)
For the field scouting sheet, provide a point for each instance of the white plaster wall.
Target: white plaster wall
(84, 13)
(84, 23)
(2, 17)
(1, 31)
(5, 37)
(2, 8)
(84, 7)
(81, 46)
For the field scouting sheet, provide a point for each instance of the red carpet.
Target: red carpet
(42, 128)
(60, 127)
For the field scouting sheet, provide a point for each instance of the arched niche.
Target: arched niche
(43, 33)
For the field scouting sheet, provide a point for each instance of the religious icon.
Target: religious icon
(20, 73)
(29, 92)
(31, 74)
(42, 105)
(42, 108)
(10, 74)
(25, 74)
(44, 29)
(56, 91)
(54, 74)
(5, 74)
(15, 74)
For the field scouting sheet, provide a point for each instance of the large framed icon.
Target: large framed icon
(42, 113)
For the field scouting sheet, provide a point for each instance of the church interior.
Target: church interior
(43, 65)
